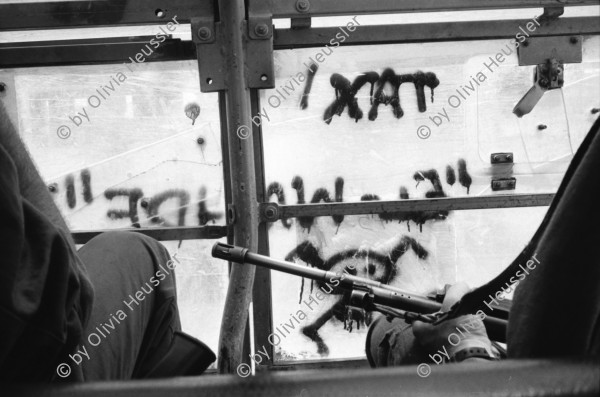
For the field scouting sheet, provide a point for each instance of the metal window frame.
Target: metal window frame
(95, 13)
(51, 15)
(161, 233)
(326, 8)
(118, 50)
(71, 14)
(272, 212)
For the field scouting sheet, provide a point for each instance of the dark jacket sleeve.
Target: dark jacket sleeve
(45, 296)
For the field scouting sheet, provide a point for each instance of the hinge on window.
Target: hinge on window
(261, 69)
(207, 35)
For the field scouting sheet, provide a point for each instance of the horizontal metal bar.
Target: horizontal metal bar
(315, 364)
(431, 32)
(81, 52)
(289, 9)
(106, 51)
(272, 212)
(69, 14)
(160, 233)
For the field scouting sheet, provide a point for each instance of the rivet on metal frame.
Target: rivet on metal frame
(271, 212)
(302, 5)
(261, 30)
(204, 33)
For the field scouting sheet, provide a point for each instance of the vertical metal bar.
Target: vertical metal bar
(227, 183)
(228, 196)
(243, 213)
(263, 306)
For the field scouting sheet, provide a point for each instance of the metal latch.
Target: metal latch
(547, 76)
(549, 54)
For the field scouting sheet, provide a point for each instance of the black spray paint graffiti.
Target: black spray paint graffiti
(151, 205)
(418, 217)
(70, 186)
(204, 215)
(367, 263)
(320, 195)
(345, 93)
(370, 264)
(276, 189)
(86, 179)
(308, 86)
(463, 176)
(135, 196)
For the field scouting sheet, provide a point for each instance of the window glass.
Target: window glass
(141, 150)
(121, 147)
(329, 136)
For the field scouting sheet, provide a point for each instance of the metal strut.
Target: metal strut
(223, 47)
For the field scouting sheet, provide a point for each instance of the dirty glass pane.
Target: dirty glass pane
(201, 289)
(325, 141)
(117, 147)
(544, 141)
(472, 246)
(141, 148)
(381, 156)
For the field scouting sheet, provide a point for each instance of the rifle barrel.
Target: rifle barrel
(382, 294)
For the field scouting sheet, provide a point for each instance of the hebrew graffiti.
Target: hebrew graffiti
(345, 93)
(70, 187)
(151, 205)
(308, 86)
(204, 215)
(86, 179)
(463, 176)
(276, 189)
(418, 217)
(134, 195)
(320, 195)
(450, 175)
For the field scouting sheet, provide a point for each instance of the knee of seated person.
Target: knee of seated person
(117, 237)
(127, 240)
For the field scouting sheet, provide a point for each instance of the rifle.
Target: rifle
(371, 295)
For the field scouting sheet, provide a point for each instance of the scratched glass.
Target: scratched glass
(202, 283)
(134, 157)
(131, 155)
(472, 246)
(360, 143)
(325, 141)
